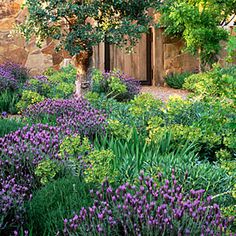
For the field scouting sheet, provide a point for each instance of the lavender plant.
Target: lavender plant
(20, 73)
(7, 80)
(76, 115)
(12, 77)
(148, 210)
(20, 154)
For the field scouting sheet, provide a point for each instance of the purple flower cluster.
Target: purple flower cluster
(20, 72)
(148, 210)
(7, 80)
(76, 115)
(11, 75)
(133, 86)
(20, 153)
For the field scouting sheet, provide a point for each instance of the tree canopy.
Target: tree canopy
(79, 25)
(199, 23)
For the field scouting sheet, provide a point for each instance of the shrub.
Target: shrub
(74, 149)
(20, 73)
(100, 165)
(145, 104)
(75, 115)
(117, 129)
(47, 170)
(7, 81)
(38, 84)
(9, 125)
(217, 83)
(12, 76)
(20, 153)
(115, 84)
(207, 123)
(28, 98)
(177, 80)
(54, 202)
(74, 146)
(149, 210)
(55, 84)
(62, 83)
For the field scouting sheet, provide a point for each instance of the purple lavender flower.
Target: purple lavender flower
(137, 211)
(78, 116)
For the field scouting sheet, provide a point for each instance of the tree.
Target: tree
(79, 25)
(199, 23)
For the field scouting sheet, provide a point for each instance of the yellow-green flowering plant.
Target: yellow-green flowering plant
(47, 170)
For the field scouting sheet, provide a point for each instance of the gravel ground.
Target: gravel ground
(164, 93)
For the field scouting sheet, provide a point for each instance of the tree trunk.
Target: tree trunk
(82, 63)
(200, 60)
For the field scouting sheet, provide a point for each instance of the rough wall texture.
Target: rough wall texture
(175, 60)
(13, 47)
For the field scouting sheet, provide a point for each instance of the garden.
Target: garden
(117, 161)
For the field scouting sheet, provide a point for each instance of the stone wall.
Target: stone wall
(175, 60)
(167, 55)
(13, 46)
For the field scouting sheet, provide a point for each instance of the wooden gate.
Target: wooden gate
(137, 64)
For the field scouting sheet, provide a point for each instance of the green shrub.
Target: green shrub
(73, 149)
(8, 101)
(9, 125)
(118, 129)
(54, 84)
(114, 84)
(145, 105)
(47, 170)
(217, 83)
(39, 85)
(99, 166)
(177, 80)
(210, 122)
(62, 82)
(74, 146)
(28, 98)
(54, 202)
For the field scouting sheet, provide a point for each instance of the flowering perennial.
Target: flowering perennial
(11, 75)
(20, 153)
(76, 115)
(148, 210)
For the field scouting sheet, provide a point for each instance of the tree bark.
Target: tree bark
(82, 63)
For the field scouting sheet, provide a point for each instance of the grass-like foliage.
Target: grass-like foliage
(177, 80)
(55, 201)
(9, 125)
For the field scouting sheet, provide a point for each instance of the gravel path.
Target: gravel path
(164, 93)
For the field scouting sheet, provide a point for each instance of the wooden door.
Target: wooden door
(137, 64)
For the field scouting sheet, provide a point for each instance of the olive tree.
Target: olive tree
(79, 25)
